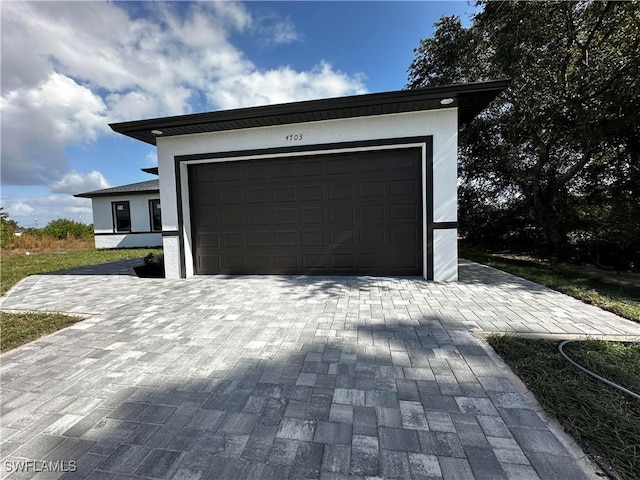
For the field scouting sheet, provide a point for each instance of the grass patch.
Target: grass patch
(19, 328)
(16, 267)
(603, 420)
(609, 294)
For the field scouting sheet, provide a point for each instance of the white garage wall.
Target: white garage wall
(141, 235)
(441, 124)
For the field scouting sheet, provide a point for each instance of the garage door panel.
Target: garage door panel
(286, 263)
(312, 215)
(373, 261)
(317, 238)
(284, 194)
(258, 217)
(403, 187)
(403, 236)
(286, 239)
(309, 169)
(229, 172)
(373, 213)
(209, 240)
(343, 261)
(371, 190)
(403, 212)
(261, 262)
(279, 169)
(338, 213)
(232, 262)
(335, 166)
(256, 172)
(340, 237)
(257, 195)
(233, 239)
(372, 237)
(230, 197)
(259, 239)
(312, 192)
(231, 218)
(209, 263)
(340, 192)
(314, 261)
(285, 216)
(206, 197)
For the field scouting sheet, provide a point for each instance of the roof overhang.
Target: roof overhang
(469, 98)
(139, 188)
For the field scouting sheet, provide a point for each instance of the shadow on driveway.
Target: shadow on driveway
(120, 267)
(314, 395)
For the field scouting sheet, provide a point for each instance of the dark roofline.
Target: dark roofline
(151, 170)
(470, 98)
(140, 188)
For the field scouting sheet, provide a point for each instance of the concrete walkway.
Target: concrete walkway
(284, 377)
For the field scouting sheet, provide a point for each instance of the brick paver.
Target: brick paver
(283, 377)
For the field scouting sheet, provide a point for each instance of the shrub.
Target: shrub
(63, 228)
(7, 231)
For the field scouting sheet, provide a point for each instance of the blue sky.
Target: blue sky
(70, 68)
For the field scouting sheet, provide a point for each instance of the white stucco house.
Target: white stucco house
(358, 185)
(127, 216)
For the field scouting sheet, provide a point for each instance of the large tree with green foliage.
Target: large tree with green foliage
(556, 159)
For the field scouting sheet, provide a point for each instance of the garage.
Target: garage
(347, 213)
(358, 185)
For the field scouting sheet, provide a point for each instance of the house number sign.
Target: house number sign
(294, 137)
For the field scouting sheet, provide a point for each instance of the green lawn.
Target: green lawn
(16, 267)
(19, 328)
(607, 293)
(605, 421)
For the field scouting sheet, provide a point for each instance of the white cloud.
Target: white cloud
(75, 182)
(151, 158)
(275, 30)
(69, 68)
(284, 85)
(38, 211)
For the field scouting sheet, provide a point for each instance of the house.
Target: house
(358, 185)
(127, 216)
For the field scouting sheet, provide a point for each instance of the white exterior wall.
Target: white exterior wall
(140, 235)
(441, 124)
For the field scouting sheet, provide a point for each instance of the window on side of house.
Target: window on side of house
(121, 216)
(155, 215)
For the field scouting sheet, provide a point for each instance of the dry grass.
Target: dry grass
(36, 244)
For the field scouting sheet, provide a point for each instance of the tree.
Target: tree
(7, 228)
(564, 133)
(63, 228)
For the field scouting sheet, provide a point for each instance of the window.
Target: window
(154, 213)
(121, 216)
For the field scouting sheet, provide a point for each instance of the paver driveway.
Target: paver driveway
(282, 377)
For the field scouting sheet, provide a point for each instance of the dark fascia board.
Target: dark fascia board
(114, 194)
(140, 188)
(470, 98)
(151, 170)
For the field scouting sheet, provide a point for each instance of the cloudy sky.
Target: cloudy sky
(71, 68)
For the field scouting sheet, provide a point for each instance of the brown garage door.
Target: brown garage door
(355, 213)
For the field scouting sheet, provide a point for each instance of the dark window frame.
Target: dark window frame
(114, 214)
(152, 224)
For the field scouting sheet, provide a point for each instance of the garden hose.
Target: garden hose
(594, 375)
